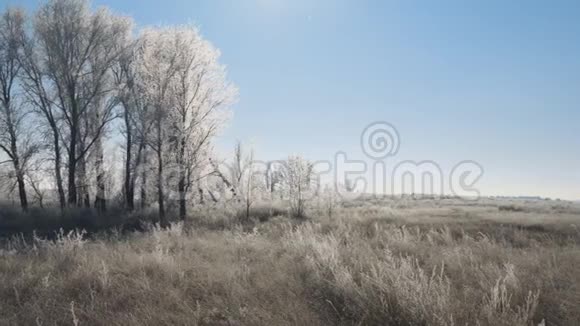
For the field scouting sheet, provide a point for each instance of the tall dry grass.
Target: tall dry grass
(368, 265)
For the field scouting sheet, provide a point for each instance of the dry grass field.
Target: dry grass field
(374, 262)
(225, 163)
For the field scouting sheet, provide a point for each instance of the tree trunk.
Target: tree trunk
(201, 196)
(19, 174)
(22, 191)
(72, 169)
(130, 197)
(82, 182)
(144, 181)
(160, 191)
(57, 168)
(13, 152)
(131, 187)
(181, 188)
(182, 199)
(129, 184)
(100, 200)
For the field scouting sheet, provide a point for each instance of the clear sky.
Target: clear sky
(493, 81)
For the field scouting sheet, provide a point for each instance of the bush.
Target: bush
(510, 208)
(46, 222)
(262, 213)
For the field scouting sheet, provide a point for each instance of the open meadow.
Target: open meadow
(289, 162)
(373, 262)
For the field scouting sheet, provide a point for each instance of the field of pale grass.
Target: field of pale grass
(374, 262)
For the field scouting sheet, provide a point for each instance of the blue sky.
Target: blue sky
(497, 82)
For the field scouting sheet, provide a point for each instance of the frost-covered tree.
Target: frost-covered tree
(137, 122)
(78, 69)
(298, 182)
(41, 97)
(202, 95)
(247, 174)
(188, 95)
(157, 68)
(78, 49)
(330, 200)
(15, 141)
